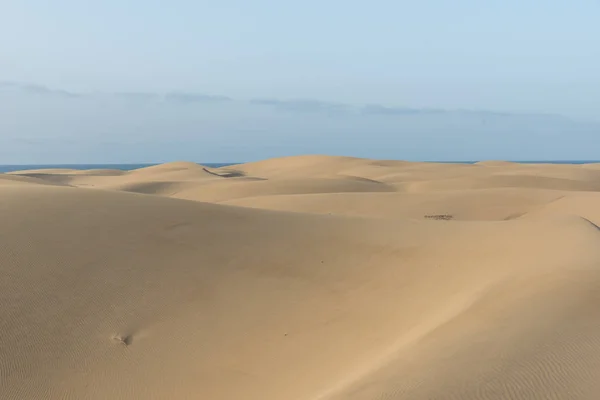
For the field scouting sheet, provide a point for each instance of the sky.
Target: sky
(521, 57)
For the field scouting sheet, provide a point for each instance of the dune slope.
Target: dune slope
(329, 281)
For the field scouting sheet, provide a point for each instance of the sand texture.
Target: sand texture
(301, 278)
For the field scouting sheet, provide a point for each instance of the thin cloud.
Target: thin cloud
(29, 88)
(303, 106)
(186, 98)
(300, 106)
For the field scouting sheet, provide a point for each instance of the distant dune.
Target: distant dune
(301, 278)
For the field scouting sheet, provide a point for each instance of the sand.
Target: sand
(301, 278)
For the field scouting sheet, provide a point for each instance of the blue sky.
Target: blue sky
(527, 56)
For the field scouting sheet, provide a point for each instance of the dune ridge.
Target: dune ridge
(301, 278)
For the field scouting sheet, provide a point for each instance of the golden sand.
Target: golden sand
(301, 278)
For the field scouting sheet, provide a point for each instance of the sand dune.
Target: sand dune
(301, 278)
(487, 204)
(6, 179)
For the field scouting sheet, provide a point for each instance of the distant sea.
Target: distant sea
(129, 167)
(123, 167)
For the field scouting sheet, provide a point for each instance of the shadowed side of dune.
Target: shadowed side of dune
(217, 191)
(532, 337)
(6, 179)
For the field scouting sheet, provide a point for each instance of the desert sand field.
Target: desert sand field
(301, 278)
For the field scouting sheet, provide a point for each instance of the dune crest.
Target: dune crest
(301, 278)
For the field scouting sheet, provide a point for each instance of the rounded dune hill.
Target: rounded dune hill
(311, 165)
(308, 278)
(171, 167)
